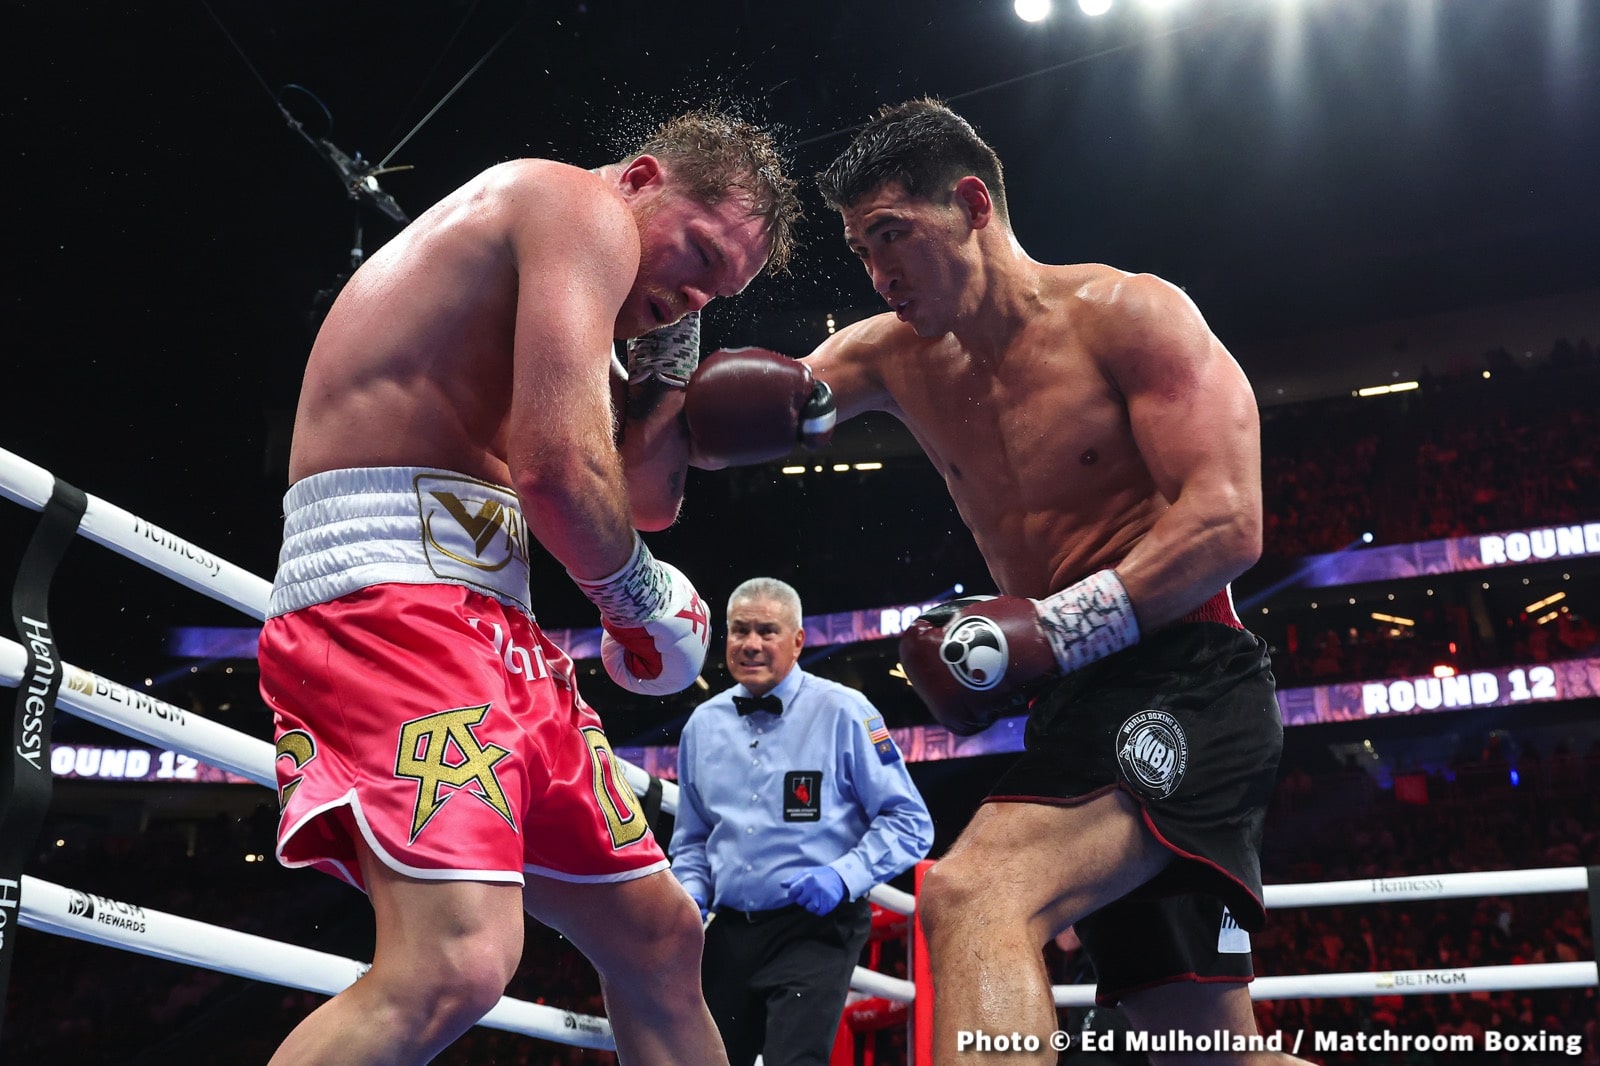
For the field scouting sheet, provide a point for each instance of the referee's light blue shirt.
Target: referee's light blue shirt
(765, 796)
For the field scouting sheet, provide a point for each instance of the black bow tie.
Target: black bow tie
(769, 703)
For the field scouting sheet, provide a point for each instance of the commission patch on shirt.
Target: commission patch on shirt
(802, 796)
(878, 733)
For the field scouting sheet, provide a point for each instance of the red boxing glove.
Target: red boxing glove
(973, 660)
(749, 405)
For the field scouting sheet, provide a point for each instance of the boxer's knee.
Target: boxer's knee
(448, 992)
(657, 940)
(952, 891)
(673, 936)
(481, 974)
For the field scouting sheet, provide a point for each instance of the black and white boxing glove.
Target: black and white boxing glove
(657, 628)
(974, 660)
(750, 405)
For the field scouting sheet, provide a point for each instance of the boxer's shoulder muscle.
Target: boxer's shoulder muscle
(563, 215)
(860, 363)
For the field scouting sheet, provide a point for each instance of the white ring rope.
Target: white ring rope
(1428, 886)
(136, 714)
(66, 912)
(127, 534)
(1527, 976)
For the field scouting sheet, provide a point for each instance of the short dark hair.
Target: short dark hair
(713, 153)
(924, 146)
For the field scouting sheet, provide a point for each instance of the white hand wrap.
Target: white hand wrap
(657, 628)
(669, 354)
(1089, 620)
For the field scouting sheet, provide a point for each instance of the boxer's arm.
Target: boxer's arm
(850, 362)
(652, 439)
(1194, 420)
(750, 405)
(574, 253)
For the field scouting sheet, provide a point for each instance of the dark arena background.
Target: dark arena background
(1386, 209)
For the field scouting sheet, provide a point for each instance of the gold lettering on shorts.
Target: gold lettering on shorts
(624, 816)
(441, 753)
(299, 747)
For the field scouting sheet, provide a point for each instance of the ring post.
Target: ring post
(921, 977)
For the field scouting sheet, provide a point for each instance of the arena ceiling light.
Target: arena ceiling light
(1032, 10)
(1547, 601)
(1384, 390)
(1094, 7)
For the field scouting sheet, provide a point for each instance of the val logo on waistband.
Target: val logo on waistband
(1153, 752)
(471, 523)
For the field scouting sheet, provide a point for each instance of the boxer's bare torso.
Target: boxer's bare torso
(1034, 434)
(415, 363)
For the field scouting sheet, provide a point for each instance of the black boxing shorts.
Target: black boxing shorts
(1187, 723)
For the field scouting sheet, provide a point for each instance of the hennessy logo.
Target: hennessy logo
(441, 753)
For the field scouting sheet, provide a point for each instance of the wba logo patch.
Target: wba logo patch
(1153, 752)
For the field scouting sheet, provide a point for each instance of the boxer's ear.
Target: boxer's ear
(645, 170)
(972, 197)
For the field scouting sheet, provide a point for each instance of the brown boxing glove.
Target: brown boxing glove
(976, 659)
(750, 405)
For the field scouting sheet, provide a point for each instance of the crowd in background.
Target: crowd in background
(1455, 457)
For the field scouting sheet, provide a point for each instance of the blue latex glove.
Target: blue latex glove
(818, 890)
(705, 909)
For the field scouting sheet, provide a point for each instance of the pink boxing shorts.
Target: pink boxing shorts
(432, 719)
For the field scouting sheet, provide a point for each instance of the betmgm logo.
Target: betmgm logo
(103, 911)
(1153, 752)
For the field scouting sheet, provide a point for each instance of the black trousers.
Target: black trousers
(776, 981)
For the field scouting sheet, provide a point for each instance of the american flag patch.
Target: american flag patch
(878, 733)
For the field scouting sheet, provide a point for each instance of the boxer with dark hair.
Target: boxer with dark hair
(432, 747)
(1103, 447)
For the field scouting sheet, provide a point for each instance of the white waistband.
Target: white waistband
(344, 530)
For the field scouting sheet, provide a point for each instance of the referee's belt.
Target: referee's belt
(755, 917)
